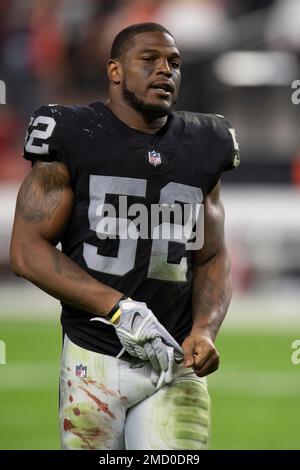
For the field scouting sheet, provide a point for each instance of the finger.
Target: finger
(208, 368)
(168, 338)
(169, 371)
(205, 372)
(161, 352)
(188, 350)
(154, 376)
(178, 359)
(166, 376)
(151, 355)
(211, 370)
(161, 379)
(130, 350)
(127, 344)
(140, 353)
(120, 353)
(203, 360)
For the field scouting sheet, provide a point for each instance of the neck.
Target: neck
(133, 118)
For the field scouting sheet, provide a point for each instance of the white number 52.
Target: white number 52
(42, 148)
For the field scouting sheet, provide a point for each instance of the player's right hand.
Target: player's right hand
(136, 327)
(143, 336)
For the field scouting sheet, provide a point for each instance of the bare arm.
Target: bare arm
(44, 206)
(211, 289)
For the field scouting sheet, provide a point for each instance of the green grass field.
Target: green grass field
(255, 393)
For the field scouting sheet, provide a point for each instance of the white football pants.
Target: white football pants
(109, 403)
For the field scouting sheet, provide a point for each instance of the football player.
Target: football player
(139, 314)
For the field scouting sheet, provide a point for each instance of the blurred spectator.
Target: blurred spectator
(283, 26)
(197, 24)
(296, 171)
(15, 57)
(46, 44)
(129, 12)
(247, 6)
(11, 168)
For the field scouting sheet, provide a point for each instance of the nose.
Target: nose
(163, 67)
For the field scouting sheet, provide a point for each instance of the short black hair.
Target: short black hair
(123, 39)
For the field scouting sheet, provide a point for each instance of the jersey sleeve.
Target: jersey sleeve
(227, 143)
(44, 137)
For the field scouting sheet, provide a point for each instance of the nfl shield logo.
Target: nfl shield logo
(81, 371)
(154, 158)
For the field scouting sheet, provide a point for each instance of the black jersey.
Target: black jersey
(106, 160)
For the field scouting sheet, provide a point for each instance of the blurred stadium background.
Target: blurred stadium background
(240, 59)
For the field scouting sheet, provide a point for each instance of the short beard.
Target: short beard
(150, 111)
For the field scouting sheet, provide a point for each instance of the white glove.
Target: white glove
(143, 336)
(136, 328)
(175, 354)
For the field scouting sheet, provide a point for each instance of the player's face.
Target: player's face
(151, 74)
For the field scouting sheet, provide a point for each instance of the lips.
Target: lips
(163, 87)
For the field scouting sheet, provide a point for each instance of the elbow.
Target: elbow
(17, 262)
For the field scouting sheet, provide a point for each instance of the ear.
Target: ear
(114, 71)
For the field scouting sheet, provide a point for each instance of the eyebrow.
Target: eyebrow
(155, 51)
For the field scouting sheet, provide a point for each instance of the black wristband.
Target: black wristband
(115, 307)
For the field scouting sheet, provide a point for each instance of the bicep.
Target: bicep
(214, 241)
(44, 202)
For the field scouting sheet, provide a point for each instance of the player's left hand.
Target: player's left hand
(200, 353)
